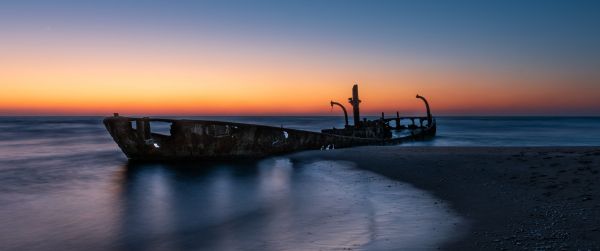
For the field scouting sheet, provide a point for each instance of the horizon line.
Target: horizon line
(297, 115)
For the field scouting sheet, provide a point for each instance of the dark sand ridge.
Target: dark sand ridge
(536, 198)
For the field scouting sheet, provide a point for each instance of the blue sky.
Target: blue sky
(512, 37)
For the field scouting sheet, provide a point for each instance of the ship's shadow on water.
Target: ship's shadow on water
(271, 204)
(181, 206)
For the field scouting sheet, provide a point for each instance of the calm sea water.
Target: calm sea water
(64, 185)
(468, 131)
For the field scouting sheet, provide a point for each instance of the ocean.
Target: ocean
(65, 185)
(462, 131)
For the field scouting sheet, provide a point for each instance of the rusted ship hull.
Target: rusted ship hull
(201, 139)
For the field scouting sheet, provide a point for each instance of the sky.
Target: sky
(293, 57)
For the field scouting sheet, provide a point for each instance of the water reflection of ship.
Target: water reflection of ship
(271, 204)
(249, 205)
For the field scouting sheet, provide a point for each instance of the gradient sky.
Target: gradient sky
(293, 57)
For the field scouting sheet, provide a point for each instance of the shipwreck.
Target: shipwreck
(204, 139)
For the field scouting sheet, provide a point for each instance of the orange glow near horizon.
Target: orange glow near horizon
(82, 82)
(169, 93)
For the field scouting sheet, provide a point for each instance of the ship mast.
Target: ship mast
(354, 101)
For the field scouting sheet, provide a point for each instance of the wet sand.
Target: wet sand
(533, 198)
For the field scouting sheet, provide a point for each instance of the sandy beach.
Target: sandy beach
(534, 198)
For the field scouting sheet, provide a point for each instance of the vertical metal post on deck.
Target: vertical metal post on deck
(354, 101)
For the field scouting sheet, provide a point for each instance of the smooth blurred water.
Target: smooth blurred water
(464, 131)
(516, 131)
(65, 185)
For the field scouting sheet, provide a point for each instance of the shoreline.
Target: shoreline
(513, 197)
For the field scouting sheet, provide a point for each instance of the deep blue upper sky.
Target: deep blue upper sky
(550, 32)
